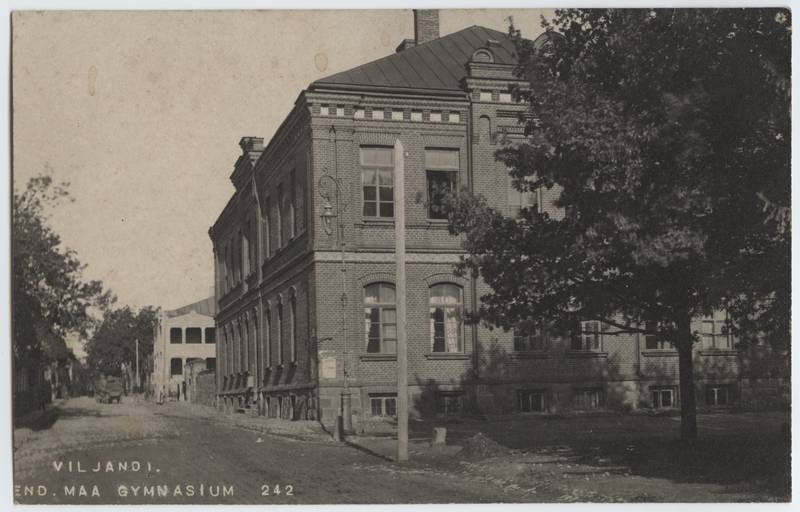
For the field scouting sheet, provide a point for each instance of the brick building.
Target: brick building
(306, 309)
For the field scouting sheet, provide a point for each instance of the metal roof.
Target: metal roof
(438, 65)
(206, 307)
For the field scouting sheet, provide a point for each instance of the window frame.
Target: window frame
(730, 394)
(581, 342)
(377, 187)
(526, 340)
(452, 174)
(382, 307)
(657, 400)
(458, 308)
(581, 397)
(382, 399)
(172, 366)
(172, 340)
(193, 329)
(522, 393)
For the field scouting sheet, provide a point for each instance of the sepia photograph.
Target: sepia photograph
(400, 256)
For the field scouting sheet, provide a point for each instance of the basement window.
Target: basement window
(383, 405)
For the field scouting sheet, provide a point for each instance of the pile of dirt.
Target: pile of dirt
(481, 447)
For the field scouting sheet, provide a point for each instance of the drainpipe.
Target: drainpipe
(473, 280)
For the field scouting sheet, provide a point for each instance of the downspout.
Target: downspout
(473, 280)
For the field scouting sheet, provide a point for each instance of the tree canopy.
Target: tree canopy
(49, 296)
(665, 135)
(113, 344)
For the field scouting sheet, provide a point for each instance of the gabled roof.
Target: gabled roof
(437, 65)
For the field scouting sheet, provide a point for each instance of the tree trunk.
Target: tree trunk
(686, 371)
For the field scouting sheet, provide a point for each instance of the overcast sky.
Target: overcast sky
(142, 113)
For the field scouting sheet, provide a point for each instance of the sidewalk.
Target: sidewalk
(296, 430)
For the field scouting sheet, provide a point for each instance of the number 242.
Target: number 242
(268, 490)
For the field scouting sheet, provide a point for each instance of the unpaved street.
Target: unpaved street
(199, 458)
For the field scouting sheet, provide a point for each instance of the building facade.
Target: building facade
(304, 256)
(182, 335)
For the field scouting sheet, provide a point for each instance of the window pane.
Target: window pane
(387, 210)
(176, 335)
(370, 209)
(383, 157)
(387, 294)
(371, 293)
(391, 407)
(389, 315)
(369, 177)
(211, 335)
(389, 346)
(373, 346)
(376, 406)
(385, 177)
(194, 335)
(369, 193)
(389, 332)
(386, 194)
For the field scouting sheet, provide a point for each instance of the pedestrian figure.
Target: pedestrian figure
(183, 390)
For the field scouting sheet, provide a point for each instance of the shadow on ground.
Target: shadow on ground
(738, 451)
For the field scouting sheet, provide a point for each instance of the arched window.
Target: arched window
(267, 339)
(265, 241)
(246, 346)
(380, 318)
(447, 318)
(280, 333)
(293, 328)
(256, 357)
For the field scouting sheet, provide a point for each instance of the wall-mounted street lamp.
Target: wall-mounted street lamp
(328, 216)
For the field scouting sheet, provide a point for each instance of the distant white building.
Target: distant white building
(182, 335)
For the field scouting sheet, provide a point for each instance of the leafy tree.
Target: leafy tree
(112, 347)
(665, 135)
(49, 296)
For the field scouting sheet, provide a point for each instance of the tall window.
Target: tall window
(446, 310)
(518, 200)
(442, 175)
(292, 200)
(716, 332)
(176, 335)
(530, 342)
(211, 363)
(225, 270)
(246, 250)
(380, 318)
(377, 181)
(266, 242)
(267, 338)
(587, 337)
(176, 366)
(293, 328)
(279, 216)
(280, 333)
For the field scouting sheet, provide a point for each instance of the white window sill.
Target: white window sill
(454, 356)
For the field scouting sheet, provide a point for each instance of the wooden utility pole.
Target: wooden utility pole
(400, 288)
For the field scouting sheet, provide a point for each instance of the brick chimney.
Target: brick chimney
(426, 25)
